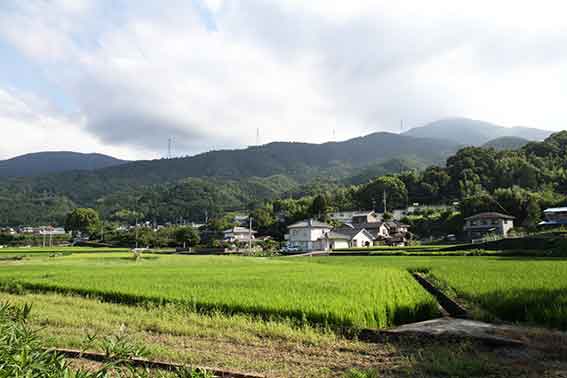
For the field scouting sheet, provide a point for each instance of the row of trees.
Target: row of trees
(87, 222)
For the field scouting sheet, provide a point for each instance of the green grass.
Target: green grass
(333, 295)
(516, 289)
(371, 291)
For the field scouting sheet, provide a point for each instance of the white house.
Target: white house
(308, 235)
(347, 237)
(239, 234)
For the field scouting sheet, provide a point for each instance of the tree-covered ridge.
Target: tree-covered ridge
(516, 182)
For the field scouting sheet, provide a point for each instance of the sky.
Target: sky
(122, 77)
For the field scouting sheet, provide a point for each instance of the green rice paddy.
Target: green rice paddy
(308, 292)
(365, 291)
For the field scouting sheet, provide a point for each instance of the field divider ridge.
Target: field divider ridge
(449, 305)
(162, 365)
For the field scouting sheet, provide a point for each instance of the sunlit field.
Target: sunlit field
(298, 289)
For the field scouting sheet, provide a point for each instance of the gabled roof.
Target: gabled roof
(366, 225)
(395, 224)
(310, 223)
(346, 233)
(490, 215)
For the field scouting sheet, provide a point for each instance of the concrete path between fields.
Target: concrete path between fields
(496, 334)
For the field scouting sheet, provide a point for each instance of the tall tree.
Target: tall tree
(84, 220)
(372, 194)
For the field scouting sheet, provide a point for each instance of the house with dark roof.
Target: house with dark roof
(480, 225)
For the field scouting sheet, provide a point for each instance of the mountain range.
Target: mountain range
(42, 187)
(429, 144)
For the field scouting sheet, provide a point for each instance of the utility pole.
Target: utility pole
(136, 230)
(384, 199)
(250, 235)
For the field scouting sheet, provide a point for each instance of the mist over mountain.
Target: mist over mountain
(467, 131)
(43, 163)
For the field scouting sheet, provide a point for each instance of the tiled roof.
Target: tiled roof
(490, 215)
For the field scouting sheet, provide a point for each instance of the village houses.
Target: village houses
(362, 229)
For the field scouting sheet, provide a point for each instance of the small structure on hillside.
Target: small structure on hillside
(556, 216)
(349, 216)
(480, 225)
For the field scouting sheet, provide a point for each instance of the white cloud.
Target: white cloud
(142, 72)
(31, 127)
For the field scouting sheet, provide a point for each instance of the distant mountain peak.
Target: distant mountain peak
(48, 162)
(468, 131)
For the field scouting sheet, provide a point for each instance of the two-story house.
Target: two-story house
(239, 235)
(308, 235)
(479, 225)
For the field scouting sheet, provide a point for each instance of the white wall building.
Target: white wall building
(347, 237)
(308, 235)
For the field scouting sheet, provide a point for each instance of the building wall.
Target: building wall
(506, 225)
(306, 238)
(339, 244)
(360, 240)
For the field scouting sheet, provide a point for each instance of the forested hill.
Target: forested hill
(213, 181)
(471, 132)
(535, 175)
(43, 163)
(299, 161)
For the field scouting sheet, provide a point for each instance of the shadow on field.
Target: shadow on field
(539, 257)
(544, 307)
